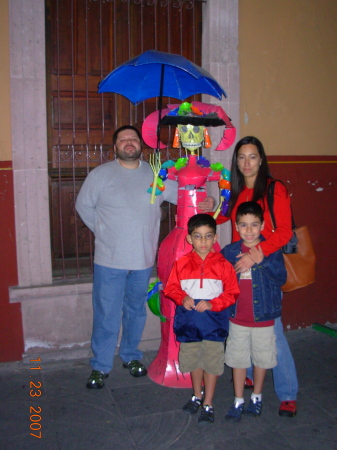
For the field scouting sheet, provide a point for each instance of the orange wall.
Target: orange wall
(288, 67)
(288, 96)
(5, 118)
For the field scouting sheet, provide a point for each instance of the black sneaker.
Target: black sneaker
(192, 405)
(95, 381)
(136, 368)
(207, 414)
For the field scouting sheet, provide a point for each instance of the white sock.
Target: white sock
(238, 401)
(256, 397)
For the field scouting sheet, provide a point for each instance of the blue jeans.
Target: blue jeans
(118, 297)
(284, 374)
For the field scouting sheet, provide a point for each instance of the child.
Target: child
(251, 332)
(203, 284)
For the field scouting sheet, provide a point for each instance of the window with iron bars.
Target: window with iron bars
(86, 40)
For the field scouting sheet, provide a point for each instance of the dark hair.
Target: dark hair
(199, 220)
(252, 208)
(237, 179)
(125, 127)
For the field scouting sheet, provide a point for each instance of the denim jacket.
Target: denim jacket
(267, 279)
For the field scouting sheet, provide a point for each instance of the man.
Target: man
(114, 203)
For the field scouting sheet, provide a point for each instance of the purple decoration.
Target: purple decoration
(203, 162)
(224, 208)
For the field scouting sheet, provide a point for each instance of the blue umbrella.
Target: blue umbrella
(158, 74)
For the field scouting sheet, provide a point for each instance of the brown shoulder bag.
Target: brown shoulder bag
(299, 255)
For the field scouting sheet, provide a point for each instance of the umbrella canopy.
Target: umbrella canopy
(160, 74)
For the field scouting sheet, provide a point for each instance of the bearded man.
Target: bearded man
(114, 203)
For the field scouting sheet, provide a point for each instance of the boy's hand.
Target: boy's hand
(203, 305)
(188, 303)
(256, 254)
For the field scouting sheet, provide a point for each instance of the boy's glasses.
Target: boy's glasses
(199, 237)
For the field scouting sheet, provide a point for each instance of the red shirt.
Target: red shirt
(244, 315)
(282, 234)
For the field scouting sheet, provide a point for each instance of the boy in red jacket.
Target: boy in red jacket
(202, 284)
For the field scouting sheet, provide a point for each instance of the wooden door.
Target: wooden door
(86, 40)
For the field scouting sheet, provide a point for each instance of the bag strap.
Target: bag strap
(270, 201)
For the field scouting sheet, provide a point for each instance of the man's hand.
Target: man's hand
(203, 305)
(188, 303)
(206, 205)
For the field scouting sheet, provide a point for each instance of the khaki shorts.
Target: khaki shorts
(250, 344)
(206, 355)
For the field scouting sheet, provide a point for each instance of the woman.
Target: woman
(250, 177)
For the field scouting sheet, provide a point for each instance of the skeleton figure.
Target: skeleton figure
(191, 137)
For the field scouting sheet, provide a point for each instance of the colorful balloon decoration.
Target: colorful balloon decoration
(153, 299)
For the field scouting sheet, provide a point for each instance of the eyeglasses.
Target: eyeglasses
(199, 237)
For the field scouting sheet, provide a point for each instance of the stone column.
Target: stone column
(29, 140)
(220, 58)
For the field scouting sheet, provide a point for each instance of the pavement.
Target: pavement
(136, 413)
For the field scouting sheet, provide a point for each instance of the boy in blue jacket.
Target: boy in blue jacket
(251, 334)
(202, 284)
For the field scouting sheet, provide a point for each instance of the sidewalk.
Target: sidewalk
(131, 413)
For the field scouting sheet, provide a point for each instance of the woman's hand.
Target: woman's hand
(244, 263)
(247, 260)
(256, 254)
(206, 205)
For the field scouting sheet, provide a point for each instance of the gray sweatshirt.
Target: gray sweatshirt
(114, 203)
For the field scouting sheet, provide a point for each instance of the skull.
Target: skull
(191, 136)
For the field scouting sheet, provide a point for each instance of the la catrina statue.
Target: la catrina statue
(191, 173)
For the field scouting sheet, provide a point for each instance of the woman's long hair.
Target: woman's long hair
(237, 179)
